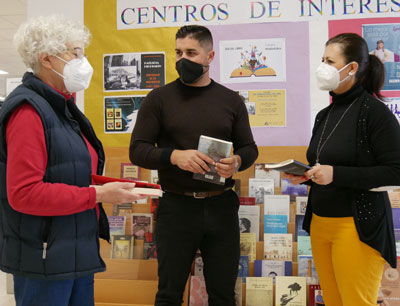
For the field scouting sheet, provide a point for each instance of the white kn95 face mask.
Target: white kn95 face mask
(77, 74)
(328, 77)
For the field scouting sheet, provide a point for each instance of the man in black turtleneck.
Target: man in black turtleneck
(194, 214)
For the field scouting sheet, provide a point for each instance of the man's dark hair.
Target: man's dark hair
(200, 33)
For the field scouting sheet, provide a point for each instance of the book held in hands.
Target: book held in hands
(290, 166)
(217, 149)
(140, 187)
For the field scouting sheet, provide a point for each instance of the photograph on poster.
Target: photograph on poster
(133, 71)
(393, 103)
(261, 60)
(265, 107)
(120, 113)
(384, 41)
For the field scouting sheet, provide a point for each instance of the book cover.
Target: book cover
(258, 188)
(237, 187)
(259, 291)
(122, 246)
(248, 245)
(247, 200)
(278, 247)
(260, 171)
(291, 291)
(390, 284)
(290, 166)
(154, 177)
(243, 271)
(238, 292)
(198, 266)
(100, 180)
(293, 190)
(249, 220)
(301, 205)
(153, 207)
(394, 197)
(277, 205)
(216, 149)
(304, 245)
(149, 250)
(130, 171)
(306, 268)
(312, 293)
(124, 209)
(141, 223)
(272, 268)
(117, 225)
(396, 217)
(198, 292)
(397, 235)
(275, 224)
(298, 229)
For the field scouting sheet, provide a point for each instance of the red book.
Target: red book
(313, 292)
(247, 200)
(100, 180)
(140, 187)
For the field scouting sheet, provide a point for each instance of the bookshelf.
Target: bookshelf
(134, 282)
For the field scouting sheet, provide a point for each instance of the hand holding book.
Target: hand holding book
(217, 152)
(191, 160)
(226, 167)
(116, 191)
(290, 166)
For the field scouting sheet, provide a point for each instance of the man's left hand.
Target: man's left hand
(226, 167)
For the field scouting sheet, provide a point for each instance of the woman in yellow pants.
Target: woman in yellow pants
(355, 146)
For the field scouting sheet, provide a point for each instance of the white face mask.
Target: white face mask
(328, 77)
(77, 74)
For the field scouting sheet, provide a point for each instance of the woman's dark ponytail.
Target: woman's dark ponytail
(374, 77)
(371, 71)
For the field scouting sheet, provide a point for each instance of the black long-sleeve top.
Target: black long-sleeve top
(376, 163)
(339, 150)
(174, 116)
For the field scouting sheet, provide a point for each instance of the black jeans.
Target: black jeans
(185, 224)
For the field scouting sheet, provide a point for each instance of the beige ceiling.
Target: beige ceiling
(12, 14)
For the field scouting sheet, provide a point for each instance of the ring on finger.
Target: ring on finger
(313, 177)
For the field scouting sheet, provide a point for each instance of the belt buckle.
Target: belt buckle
(196, 196)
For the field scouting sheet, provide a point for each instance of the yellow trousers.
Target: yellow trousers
(349, 270)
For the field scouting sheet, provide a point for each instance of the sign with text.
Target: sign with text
(133, 14)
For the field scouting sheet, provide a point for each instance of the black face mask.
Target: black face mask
(189, 71)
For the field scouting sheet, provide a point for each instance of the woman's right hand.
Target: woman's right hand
(117, 193)
(295, 179)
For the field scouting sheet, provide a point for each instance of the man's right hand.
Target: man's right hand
(191, 160)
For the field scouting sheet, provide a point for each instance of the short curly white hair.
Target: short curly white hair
(49, 34)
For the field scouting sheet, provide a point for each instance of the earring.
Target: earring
(350, 73)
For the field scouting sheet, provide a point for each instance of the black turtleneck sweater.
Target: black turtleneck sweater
(339, 150)
(174, 116)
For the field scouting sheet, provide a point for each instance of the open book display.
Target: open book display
(140, 187)
(290, 166)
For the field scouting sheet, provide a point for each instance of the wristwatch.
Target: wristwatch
(236, 164)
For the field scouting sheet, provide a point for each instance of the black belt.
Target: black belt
(201, 194)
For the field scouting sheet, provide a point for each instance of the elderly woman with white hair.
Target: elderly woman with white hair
(50, 216)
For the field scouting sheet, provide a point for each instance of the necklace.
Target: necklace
(321, 146)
